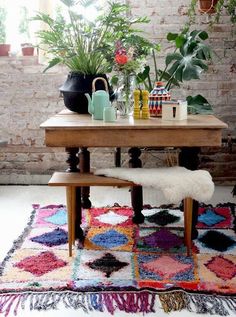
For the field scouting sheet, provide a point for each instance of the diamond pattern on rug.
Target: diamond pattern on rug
(218, 270)
(58, 219)
(53, 238)
(206, 242)
(159, 240)
(163, 217)
(112, 218)
(107, 264)
(103, 266)
(40, 264)
(166, 267)
(117, 238)
(44, 216)
(218, 217)
(17, 278)
(121, 216)
(222, 267)
(29, 242)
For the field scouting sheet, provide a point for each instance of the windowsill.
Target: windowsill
(20, 59)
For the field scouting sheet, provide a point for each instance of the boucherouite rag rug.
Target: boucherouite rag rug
(122, 266)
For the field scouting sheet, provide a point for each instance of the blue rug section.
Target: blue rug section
(50, 239)
(110, 239)
(59, 218)
(210, 218)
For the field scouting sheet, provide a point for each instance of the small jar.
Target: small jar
(156, 96)
(109, 114)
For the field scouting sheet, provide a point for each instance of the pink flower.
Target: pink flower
(121, 59)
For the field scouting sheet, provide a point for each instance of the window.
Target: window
(19, 28)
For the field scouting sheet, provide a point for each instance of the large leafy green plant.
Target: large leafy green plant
(88, 47)
(187, 62)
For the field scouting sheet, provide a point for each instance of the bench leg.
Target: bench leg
(78, 215)
(188, 213)
(70, 199)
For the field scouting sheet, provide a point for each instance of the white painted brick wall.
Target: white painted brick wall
(28, 97)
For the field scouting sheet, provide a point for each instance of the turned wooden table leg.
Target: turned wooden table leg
(137, 191)
(73, 159)
(189, 159)
(84, 156)
(73, 162)
(117, 157)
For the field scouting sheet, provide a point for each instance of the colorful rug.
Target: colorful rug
(121, 266)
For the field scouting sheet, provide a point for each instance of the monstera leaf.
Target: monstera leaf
(188, 60)
(198, 105)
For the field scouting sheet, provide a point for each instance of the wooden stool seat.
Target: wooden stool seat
(74, 180)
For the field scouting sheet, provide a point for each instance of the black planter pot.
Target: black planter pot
(74, 88)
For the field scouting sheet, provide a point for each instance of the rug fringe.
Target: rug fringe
(130, 302)
(198, 303)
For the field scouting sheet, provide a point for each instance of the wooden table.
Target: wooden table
(76, 131)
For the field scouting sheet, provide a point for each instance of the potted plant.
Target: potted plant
(4, 48)
(27, 49)
(216, 7)
(187, 62)
(207, 6)
(26, 46)
(86, 48)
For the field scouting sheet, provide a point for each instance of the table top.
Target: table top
(70, 129)
(68, 119)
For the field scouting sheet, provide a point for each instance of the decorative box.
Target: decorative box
(156, 97)
(174, 110)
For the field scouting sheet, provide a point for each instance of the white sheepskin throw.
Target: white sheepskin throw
(176, 182)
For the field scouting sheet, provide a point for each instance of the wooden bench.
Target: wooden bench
(73, 181)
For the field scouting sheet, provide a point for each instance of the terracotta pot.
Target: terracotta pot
(27, 51)
(207, 6)
(5, 49)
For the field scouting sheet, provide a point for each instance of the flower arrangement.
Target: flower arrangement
(127, 64)
(127, 61)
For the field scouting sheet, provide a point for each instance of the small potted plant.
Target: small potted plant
(4, 48)
(207, 6)
(26, 47)
(216, 7)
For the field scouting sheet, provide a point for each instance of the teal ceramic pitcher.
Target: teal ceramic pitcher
(100, 100)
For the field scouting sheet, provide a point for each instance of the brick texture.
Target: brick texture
(28, 97)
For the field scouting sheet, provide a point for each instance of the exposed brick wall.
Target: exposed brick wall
(28, 97)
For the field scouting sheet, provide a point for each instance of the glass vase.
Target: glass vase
(124, 94)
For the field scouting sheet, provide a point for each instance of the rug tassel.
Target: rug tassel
(197, 303)
(132, 302)
(8, 301)
(210, 304)
(173, 301)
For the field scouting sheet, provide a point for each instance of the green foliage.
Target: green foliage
(198, 104)
(228, 5)
(24, 23)
(88, 47)
(3, 15)
(187, 62)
